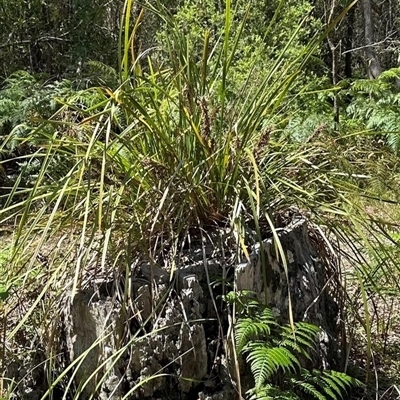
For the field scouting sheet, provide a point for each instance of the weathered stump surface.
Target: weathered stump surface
(303, 280)
(169, 342)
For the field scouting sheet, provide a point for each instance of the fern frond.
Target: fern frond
(390, 74)
(265, 361)
(267, 392)
(393, 140)
(267, 317)
(242, 298)
(272, 351)
(333, 384)
(270, 392)
(106, 74)
(343, 380)
(309, 389)
(375, 87)
(325, 387)
(321, 379)
(248, 329)
(84, 99)
(301, 339)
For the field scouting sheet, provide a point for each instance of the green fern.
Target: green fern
(270, 392)
(259, 326)
(309, 389)
(26, 102)
(244, 300)
(265, 361)
(376, 104)
(275, 354)
(301, 339)
(102, 74)
(390, 75)
(328, 383)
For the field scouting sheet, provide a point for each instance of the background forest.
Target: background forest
(127, 126)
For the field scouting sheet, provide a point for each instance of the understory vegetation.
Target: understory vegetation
(274, 353)
(167, 122)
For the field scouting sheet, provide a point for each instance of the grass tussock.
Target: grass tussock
(167, 149)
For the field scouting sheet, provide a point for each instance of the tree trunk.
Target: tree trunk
(348, 44)
(373, 65)
(335, 67)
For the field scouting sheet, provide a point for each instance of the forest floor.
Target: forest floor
(381, 370)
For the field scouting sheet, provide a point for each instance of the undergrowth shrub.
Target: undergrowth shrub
(27, 102)
(376, 104)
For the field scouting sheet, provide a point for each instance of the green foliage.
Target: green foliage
(169, 148)
(26, 102)
(56, 37)
(254, 327)
(375, 103)
(183, 138)
(5, 256)
(98, 73)
(181, 127)
(269, 30)
(276, 355)
(25, 98)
